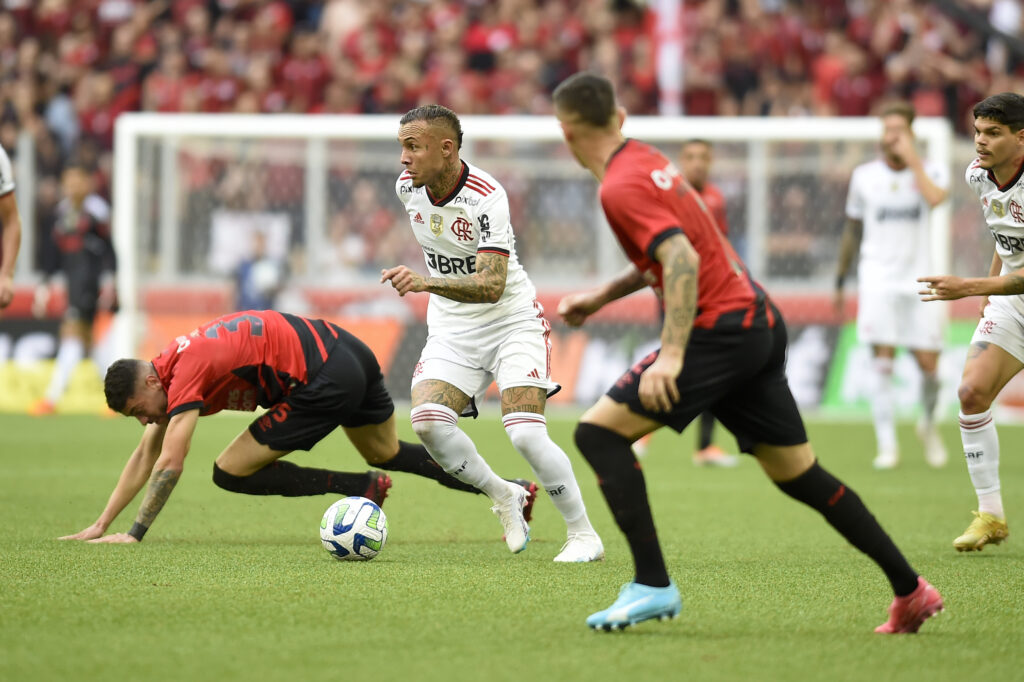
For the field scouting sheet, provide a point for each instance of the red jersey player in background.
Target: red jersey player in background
(312, 376)
(695, 157)
(723, 348)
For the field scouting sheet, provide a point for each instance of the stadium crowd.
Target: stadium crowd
(68, 68)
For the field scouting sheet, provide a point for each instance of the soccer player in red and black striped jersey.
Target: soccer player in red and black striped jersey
(311, 376)
(723, 348)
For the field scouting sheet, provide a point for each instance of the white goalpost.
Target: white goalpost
(784, 179)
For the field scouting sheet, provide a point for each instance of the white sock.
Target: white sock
(529, 435)
(437, 428)
(882, 404)
(981, 450)
(929, 396)
(69, 354)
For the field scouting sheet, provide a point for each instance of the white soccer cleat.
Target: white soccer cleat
(886, 460)
(510, 511)
(581, 548)
(934, 449)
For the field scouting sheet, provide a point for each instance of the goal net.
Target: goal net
(196, 195)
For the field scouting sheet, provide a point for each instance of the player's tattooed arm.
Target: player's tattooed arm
(853, 230)
(161, 483)
(680, 263)
(168, 467)
(486, 285)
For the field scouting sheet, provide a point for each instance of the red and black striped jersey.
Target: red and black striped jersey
(242, 361)
(646, 201)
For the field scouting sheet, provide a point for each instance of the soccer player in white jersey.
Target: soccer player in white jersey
(10, 230)
(887, 214)
(996, 353)
(484, 324)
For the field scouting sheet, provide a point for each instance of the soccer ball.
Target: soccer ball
(354, 528)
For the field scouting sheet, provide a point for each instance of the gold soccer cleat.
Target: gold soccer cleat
(984, 529)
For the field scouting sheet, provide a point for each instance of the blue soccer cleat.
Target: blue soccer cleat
(637, 603)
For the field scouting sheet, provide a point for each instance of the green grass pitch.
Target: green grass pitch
(229, 587)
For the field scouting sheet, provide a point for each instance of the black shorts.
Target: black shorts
(739, 375)
(348, 391)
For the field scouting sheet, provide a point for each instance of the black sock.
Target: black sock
(291, 480)
(707, 428)
(414, 459)
(622, 483)
(843, 509)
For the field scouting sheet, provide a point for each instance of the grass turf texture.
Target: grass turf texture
(230, 587)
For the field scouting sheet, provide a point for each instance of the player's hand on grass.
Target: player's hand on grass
(403, 280)
(944, 288)
(576, 308)
(94, 531)
(115, 538)
(658, 391)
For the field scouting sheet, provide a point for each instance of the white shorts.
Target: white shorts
(1003, 325)
(901, 320)
(510, 353)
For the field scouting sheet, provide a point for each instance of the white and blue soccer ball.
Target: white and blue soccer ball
(354, 529)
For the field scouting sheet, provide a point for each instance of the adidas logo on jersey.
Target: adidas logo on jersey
(418, 219)
(533, 373)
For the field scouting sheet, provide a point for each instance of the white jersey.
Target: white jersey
(1004, 212)
(472, 219)
(6, 174)
(895, 246)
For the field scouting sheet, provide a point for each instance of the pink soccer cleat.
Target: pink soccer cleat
(907, 614)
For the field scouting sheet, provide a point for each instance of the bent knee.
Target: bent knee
(973, 399)
(227, 481)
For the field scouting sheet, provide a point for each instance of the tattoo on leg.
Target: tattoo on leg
(441, 393)
(523, 399)
(977, 349)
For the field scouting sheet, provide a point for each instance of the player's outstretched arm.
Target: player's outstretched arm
(576, 308)
(486, 285)
(10, 241)
(166, 472)
(849, 244)
(134, 475)
(950, 288)
(680, 264)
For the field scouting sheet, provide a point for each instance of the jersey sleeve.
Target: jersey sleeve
(635, 207)
(191, 376)
(494, 223)
(855, 196)
(6, 173)
(403, 187)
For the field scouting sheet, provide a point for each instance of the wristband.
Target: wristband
(138, 531)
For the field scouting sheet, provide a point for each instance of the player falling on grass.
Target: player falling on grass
(887, 215)
(311, 374)
(484, 325)
(996, 353)
(10, 230)
(723, 348)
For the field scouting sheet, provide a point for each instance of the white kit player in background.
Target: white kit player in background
(484, 324)
(887, 214)
(10, 230)
(996, 353)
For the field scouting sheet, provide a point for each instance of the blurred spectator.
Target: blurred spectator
(260, 277)
(69, 68)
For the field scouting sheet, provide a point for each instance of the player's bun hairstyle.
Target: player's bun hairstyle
(589, 96)
(435, 113)
(904, 109)
(119, 384)
(1006, 108)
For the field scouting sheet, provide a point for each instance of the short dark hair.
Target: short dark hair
(589, 96)
(904, 109)
(432, 113)
(1006, 108)
(697, 140)
(120, 382)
